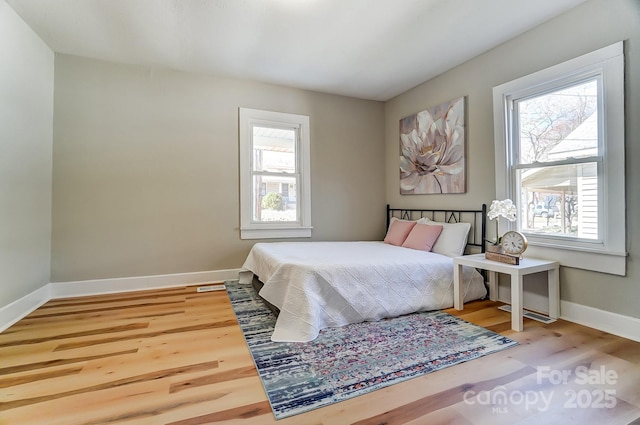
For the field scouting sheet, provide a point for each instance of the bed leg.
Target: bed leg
(245, 276)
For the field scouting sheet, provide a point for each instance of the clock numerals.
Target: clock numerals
(514, 243)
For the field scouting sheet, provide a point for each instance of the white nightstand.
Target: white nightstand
(526, 266)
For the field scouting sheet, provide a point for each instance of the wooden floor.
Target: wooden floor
(176, 356)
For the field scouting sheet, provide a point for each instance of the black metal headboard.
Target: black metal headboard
(477, 219)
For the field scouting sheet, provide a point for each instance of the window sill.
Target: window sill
(275, 233)
(598, 261)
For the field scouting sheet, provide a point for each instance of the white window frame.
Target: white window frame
(250, 229)
(608, 253)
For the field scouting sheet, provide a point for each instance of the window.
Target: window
(275, 198)
(560, 158)
(556, 158)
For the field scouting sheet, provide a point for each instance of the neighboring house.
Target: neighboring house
(579, 181)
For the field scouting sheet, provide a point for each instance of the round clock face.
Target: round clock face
(514, 243)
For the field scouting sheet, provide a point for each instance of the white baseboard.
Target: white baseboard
(20, 308)
(614, 323)
(617, 324)
(607, 321)
(137, 283)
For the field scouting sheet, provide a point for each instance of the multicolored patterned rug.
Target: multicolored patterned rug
(355, 359)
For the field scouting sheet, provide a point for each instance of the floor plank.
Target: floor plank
(176, 356)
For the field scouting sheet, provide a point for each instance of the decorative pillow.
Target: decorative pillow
(452, 240)
(394, 219)
(422, 236)
(398, 231)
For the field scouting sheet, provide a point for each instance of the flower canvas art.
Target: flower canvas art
(432, 150)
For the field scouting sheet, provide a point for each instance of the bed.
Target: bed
(316, 285)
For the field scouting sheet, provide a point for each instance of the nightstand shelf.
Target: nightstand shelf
(517, 273)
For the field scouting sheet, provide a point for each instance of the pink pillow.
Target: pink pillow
(422, 237)
(398, 231)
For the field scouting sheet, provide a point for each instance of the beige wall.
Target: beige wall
(26, 120)
(145, 161)
(145, 177)
(590, 26)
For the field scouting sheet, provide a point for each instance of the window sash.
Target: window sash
(571, 161)
(256, 189)
(515, 164)
(560, 229)
(258, 196)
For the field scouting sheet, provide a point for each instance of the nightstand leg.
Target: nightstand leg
(457, 291)
(516, 302)
(493, 285)
(554, 293)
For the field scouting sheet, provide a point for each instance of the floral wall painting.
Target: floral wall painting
(432, 157)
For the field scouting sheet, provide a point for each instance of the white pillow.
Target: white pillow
(453, 238)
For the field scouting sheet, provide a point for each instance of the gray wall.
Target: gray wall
(26, 120)
(145, 176)
(588, 27)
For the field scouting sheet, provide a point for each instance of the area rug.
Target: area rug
(355, 359)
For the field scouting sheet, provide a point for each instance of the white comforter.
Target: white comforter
(326, 284)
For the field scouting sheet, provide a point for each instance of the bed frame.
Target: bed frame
(477, 219)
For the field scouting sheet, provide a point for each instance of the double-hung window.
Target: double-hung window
(275, 198)
(560, 158)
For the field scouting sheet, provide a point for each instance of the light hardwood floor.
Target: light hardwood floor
(176, 356)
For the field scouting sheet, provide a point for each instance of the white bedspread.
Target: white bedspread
(326, 284)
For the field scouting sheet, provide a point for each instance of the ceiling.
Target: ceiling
(371, 49)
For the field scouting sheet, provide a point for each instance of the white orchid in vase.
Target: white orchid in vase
(505, 208)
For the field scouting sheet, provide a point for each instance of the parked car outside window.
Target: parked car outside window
(542, 211)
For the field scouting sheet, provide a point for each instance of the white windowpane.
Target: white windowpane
(274, 150)
(275, 199)
(274, 156)
(559, 125)
(560, 200)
